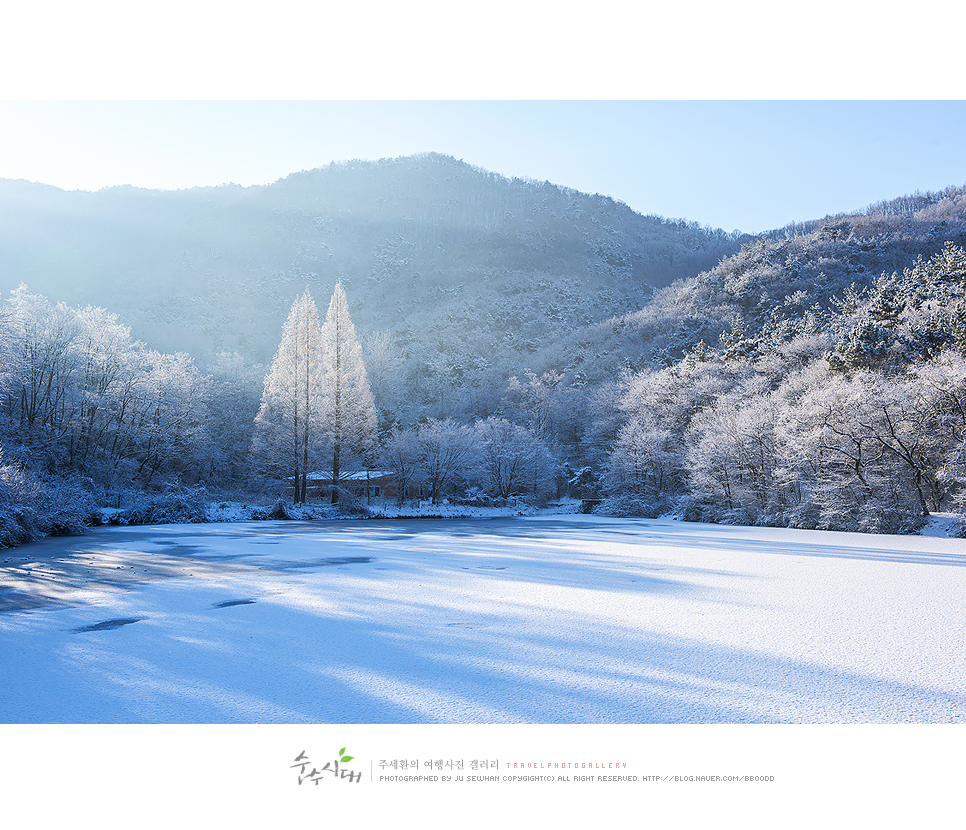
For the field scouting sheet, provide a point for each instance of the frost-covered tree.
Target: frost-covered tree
(733, 457)
(7, 351)
(534, 400)
(42, 363)
(348, 413)
(944, 382)
(512, 460)
(88, 413)
(904, 319)
(644, 466)
(383, 365)
(900, 416)
(173, 435)
(290, 419)
(107, 361)
(233, 401)
(400, 455)
(445, 450)
(867, 451)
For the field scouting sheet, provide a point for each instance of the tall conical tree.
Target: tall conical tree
(349, 413)
(289, 419)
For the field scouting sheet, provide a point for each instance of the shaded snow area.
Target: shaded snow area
(944, 525)
(552, 619)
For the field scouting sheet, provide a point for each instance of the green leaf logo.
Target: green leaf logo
(343, 758)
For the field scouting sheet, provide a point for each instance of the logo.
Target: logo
(336, 769)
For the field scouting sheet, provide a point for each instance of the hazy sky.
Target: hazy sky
(747, 165)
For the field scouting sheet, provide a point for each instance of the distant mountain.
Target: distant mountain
(455, 262)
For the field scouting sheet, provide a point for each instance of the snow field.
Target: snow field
(558, 619)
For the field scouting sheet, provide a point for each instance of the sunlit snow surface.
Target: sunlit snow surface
(559, 619)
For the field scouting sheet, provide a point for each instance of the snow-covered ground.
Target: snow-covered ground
(538, 619)
(233, 511)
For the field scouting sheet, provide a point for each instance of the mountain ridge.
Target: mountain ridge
(391, 230)
(464, 277)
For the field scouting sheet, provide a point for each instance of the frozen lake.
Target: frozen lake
(561, 619)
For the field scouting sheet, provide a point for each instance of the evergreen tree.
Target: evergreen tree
(290, 417)
(348, 410)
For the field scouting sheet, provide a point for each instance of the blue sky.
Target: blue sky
(743, 116)
(747, 165)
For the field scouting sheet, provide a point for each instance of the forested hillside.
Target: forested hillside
(775, 280)
(543, 341)
(814, 379)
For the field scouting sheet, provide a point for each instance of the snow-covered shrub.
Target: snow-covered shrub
(748, 515)
(177, 505)
(18, 524)
(279, 510)
(349, 504)
(630, 506)
(33, 505)
(894, 511)
(699, 509)
(68, 506)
